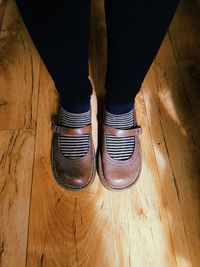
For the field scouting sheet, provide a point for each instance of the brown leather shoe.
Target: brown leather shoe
(72, 174)
(118, 175)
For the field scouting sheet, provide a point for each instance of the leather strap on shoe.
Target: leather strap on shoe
(63, 130)
(122, 132)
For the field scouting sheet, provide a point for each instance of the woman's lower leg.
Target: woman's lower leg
(61, 33)
(135, 30)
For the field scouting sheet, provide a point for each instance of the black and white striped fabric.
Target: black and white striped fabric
(74, 146)
(119, 148)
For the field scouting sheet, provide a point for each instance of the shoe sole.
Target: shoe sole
(104, 182)
(59, 181)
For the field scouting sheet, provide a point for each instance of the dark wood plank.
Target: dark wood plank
(2, 11)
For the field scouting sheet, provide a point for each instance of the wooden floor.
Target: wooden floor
(157, 222)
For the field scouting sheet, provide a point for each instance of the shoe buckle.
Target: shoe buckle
(54, 127)
(138, 130)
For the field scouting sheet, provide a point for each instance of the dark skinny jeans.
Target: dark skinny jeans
(60, 31)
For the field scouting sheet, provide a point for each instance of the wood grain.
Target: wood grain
(155, 223)
(2, 11)
(171, 92)
(19, 73)
(15, 190)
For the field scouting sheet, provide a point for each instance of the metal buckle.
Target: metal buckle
(54, 127)
(139, 130)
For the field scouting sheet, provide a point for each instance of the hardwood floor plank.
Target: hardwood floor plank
(19, 73)
(176, 143)
(141, 229)
(156, 222)
(19, 70)
(139, 223)
(15, 186)
(186, 50)
(66, 228)
(2, 11)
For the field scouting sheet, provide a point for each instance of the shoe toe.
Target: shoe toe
(120, 178)
(120, 183)
(73, 174)
(75, 181)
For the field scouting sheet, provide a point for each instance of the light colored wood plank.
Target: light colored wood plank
(19, 73)
(153, 88)
(66, 228)
(153, 224)
(15, 188)
(139, 223)
(141, 229)
(17, 145)
(173, 126)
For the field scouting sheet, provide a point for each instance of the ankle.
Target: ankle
(118, 109)
(75, 107)
(72, 119)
